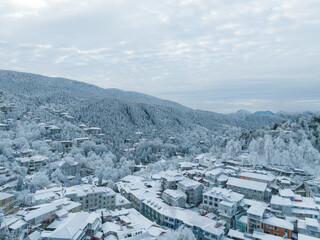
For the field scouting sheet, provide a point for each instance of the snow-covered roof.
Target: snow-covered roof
(85, 189)
(189, 183)
(257, 176)
(4, 195)
(256, 210)
(247, 184)
(306, 237)
(175, 193)
(277, 200)
(278, 222)
(73, 227)
(225, 194)
(286, 193)
(39, 212)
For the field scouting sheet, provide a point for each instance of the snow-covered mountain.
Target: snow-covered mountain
(136, 109)
(168, 128)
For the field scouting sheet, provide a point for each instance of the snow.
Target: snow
(242, 183)
(278, 222)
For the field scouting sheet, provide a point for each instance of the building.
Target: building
(174, 198)
(255, 216)
(300, 207)
(68, 166)
(170, 179)
(92, 197)
(257, 177)
(309, 227)
(216, 195)
(278, 227)
(34, 163)
(254, 191)
(7, 203)
(75, 226)
(192, 189)
(173, 217)
(54, 129)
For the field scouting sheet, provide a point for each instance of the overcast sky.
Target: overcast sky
(217, 55)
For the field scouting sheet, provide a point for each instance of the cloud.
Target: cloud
(207, 54)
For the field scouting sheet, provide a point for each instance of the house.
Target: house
(92, 197)
(255, 216)
(34, 163)
(75, 226)
(169, 179)
(93, 130)
(278, 227)
(81, 140)
(7, 203)
(254, 191)
(192, 189)
(309, 227)
(300, 207)
(54, 129)
(68, 166)
(174, 198)
(129, 223)
(43, 215)
(4, 127)
(66, 144)
(187, 165)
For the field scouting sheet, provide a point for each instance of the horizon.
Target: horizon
(207, 55)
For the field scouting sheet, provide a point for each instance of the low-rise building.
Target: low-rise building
(309, 226)
(174, 198)
(255, 216)
(192, 189)
(34, 163)
(6, 203)
(278, 227)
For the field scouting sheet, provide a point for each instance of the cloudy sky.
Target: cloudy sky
(217, 55)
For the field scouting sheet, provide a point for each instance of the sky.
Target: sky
(216, 55)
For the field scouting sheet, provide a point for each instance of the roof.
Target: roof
(305, 237)
(256, 210)
(257, 176)
(73, 227)
(247, 184)
(188, 183)
(4, 195)
(175, 193)
(278, 222)
(281, 201)
(39, 212)
(225, 194)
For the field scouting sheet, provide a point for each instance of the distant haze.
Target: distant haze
(206, 54)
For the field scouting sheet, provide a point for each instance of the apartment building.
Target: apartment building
(92, 197)
(246, 187)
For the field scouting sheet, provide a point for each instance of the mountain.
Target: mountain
(263, 113)
(121, 114)
(81, 96)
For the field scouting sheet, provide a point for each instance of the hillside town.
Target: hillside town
(216, 199)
